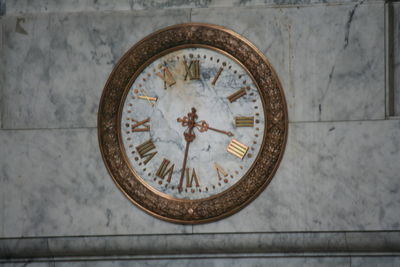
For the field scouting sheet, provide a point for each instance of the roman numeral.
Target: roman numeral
(220, 171)
(144, 151)
(149, 99)
(189, 180)
(238, 149)
(217, 76)
(167, 77)
(233, 97)
(192, 70)
(141, 126)
(244, 121)
(163, 171)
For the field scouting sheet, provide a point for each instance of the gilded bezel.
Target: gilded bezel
(268, 158)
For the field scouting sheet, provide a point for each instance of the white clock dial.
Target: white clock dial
(228, 130)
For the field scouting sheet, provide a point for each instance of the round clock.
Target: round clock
(192, 123)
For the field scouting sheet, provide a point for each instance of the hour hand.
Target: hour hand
(203, 126)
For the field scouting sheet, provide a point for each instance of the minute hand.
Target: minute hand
(203, 127)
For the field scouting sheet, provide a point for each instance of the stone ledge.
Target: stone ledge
(209, 245)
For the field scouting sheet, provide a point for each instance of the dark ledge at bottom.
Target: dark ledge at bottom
(186, 245)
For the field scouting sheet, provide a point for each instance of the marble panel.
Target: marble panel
(396, 47)
(334, 176)
(330, 59)
(57, 65)
(337, 67)
(72, 90)
(42, 6)
(54, 183)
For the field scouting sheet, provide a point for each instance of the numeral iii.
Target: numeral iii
(244, 121)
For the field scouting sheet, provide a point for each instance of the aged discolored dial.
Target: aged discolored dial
(192, 123)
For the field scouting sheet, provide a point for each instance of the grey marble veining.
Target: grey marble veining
(44, 6)
(338, 70)
(54, 183)
(396, 47)
(334, 176)
(330, 59)
(63, 61)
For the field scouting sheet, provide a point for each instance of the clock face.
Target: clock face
(192, 122)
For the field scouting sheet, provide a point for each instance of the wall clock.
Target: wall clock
(192, 123)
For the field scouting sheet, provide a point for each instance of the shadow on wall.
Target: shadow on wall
(2, 7)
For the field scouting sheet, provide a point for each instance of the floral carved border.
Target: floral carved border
(268, 159)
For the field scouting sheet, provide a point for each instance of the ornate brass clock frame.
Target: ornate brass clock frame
(265, 165)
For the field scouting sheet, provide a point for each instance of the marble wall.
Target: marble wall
(339, 174)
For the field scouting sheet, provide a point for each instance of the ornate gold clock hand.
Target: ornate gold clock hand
(190, 122)
(203, 127)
